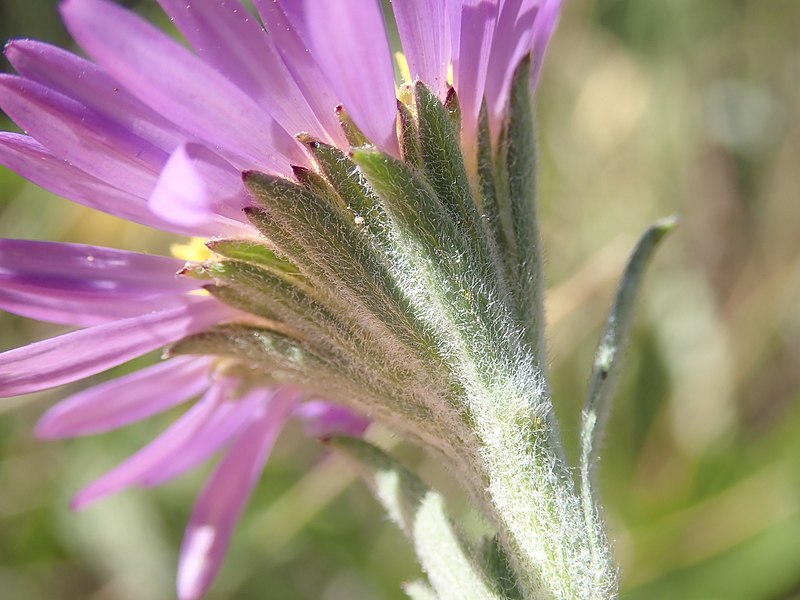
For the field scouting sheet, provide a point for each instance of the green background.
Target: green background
(647, 108)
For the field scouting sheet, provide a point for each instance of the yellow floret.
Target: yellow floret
(194, 250)
(402, 64)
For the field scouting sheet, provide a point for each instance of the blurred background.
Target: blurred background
(647, 108)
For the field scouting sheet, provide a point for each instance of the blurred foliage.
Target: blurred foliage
(646, 108)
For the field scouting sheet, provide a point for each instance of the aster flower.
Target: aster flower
(369, 241)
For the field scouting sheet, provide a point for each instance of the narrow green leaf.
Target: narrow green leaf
(351, 186)
(420, 513)
(411, 202)
(321, 336)
(265, 294)
(338, 358)
(342, 261)
(252, 251)
(281, 241)
(504, 219)
(473, 314)
(444, 167)
(490, 195)
(449, 270)
(271, 356)
(607, 365)
(453, 572)
(324, 234)
(521, 167)
(316, 184)
(305, 341)
(255, 278)
(195, 271)
(398, 490)
(352, 132)
(608, 357)
(409, 136)
(246, 302)
(250, 345)
(453, 107)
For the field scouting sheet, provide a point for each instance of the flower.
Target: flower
(309, 289)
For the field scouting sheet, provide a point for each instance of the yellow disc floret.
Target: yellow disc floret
(194, 250)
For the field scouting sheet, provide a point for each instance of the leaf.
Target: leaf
(281, 241)
(350, 185)
(519, 157)
(353, 134)
(412, 204)
(453, 107)
(607, 364)
(257, 279)
(608, 357)
(316, 184)
(420, 513)
(409, 136)
(342, 263)
(265, 294)
(239, 299)
(443, 164)
(253, 252)
(475, 314)
(250, 345)
(490, 195)
(280, 302)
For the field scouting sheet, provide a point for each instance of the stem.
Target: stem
(532, 501)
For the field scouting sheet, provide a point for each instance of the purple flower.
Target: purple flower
(159, 134)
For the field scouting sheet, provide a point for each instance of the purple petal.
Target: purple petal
(86, 83)
(454, 10)
(231, 40)
(478, 19)
(59, 266)
(512, 39)
(171, 80)
(348, 40)
(312, 83)
(545, 27)
(127, 399)
(82, 353)
(24, 155)
(79, 309)
(197, 187)
(84, 138)
(223, 499)
(157, 453)
(323, 419)
(227, 423)
(83, 285)
(423, 33)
